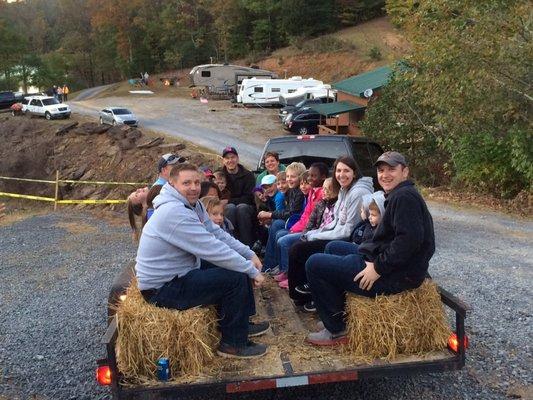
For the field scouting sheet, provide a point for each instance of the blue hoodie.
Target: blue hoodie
(178, 235)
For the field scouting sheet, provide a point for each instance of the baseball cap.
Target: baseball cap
(268, 180)
(229, 149)
(207, 172)
(258, 188)
(169, 159)
(392, 158)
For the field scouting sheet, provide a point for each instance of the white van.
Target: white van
(46, 106)
(255, 91)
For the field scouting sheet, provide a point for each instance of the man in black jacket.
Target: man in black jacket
(240, 209)
(394, 260)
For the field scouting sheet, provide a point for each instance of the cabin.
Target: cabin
(267, 92)
(353, 95)
(224, 78)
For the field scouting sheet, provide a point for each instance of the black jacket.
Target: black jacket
(315, 218)
(404, 241)
(240, 186)
(294, 204)
(362, 231)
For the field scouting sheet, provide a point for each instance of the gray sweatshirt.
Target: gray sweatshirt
(347, 212)
(178, 235)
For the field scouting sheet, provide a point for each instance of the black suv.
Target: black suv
(7, 99)
(304, 103)
(303, 121)
(326, 148)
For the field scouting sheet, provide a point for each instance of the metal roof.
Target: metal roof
(338, 107)
(356, 85)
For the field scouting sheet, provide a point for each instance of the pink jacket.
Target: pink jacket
(314, 196)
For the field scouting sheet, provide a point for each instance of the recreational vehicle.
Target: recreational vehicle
(306, 93)
(224, 78)
(267, 91)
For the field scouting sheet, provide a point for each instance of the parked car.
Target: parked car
(304, 121)
(7, 99)
(304, 103)
(118, 116)
(46, 106)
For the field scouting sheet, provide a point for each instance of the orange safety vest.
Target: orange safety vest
(65, 89)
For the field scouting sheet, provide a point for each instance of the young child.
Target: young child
(294, 200)
(215, 210)
(321, 215)
(221, 182)
(281, 182)
(274, 198)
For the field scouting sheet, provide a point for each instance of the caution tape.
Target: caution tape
(73, 181)
(26, 196)
(91, 201)
(26, 180)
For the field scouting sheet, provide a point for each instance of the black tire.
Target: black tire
(48, 116)
(302, 130)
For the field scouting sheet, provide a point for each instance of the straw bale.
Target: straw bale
(410, 323)
(146, 333)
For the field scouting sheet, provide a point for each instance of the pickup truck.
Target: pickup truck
(279, 370)
(286, 368)
(7, 99)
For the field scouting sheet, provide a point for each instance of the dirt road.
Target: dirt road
(214, 125)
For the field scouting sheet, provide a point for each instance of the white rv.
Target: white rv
(307, 93)
(267, 91)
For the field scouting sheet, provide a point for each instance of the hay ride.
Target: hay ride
(395, 335)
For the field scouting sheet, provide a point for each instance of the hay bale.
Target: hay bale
(409, 323)
(146, 333)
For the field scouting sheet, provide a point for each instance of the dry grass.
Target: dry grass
(147, 333)
(409, 323)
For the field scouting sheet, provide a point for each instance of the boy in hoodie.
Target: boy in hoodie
(168, 272)
(400, 251)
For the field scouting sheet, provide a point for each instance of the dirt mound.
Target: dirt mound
(36, 149)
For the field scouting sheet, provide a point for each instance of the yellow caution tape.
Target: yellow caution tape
(26, 180)
(25, 196)
(91, 201)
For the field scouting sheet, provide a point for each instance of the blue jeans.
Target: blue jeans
(284, 244)
(231, 292)
(341, 248)
(330, 276)
(271, 254)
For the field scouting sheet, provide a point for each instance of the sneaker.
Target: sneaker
(257, 328)
(272, 271)
(257, 246)
(310, 306)
(303, 289)
(282, 276)
(250, 350)
(326, 338)
(284, 284)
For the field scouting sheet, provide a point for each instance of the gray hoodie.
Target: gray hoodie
(347, 212)
(379, 199)
(178, 235)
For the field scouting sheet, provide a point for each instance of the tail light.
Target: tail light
(103, 375)
(305, 137)
(453, 342)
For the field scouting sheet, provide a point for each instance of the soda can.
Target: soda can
(163, 369)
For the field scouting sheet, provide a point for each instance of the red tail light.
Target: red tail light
(453, 342)
(103, 375)
(305, 137)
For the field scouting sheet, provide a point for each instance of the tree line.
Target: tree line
(91, 42)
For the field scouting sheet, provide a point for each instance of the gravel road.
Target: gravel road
(57, 269)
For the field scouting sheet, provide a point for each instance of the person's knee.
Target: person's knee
(316, 265)
(330, 248)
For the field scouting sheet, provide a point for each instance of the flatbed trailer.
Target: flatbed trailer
(289, 362)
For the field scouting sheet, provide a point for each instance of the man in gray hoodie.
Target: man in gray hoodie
(177, 236)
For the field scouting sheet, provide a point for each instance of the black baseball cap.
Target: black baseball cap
(228, 150)
(392, 158)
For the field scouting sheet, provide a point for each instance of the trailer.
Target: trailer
(307, 93)
(283, 366)
(267, 92)
(224, 78)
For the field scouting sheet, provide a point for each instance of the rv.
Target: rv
(267, 91)
(307, 93)
(224, 78)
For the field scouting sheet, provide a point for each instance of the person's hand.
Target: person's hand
(368, 276)
(264, 215)
(224, 202)
(257, 262)
(258, 280)
(2, 210)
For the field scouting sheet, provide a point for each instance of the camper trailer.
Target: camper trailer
(256, 91)
(307, 93)
(224, 78)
